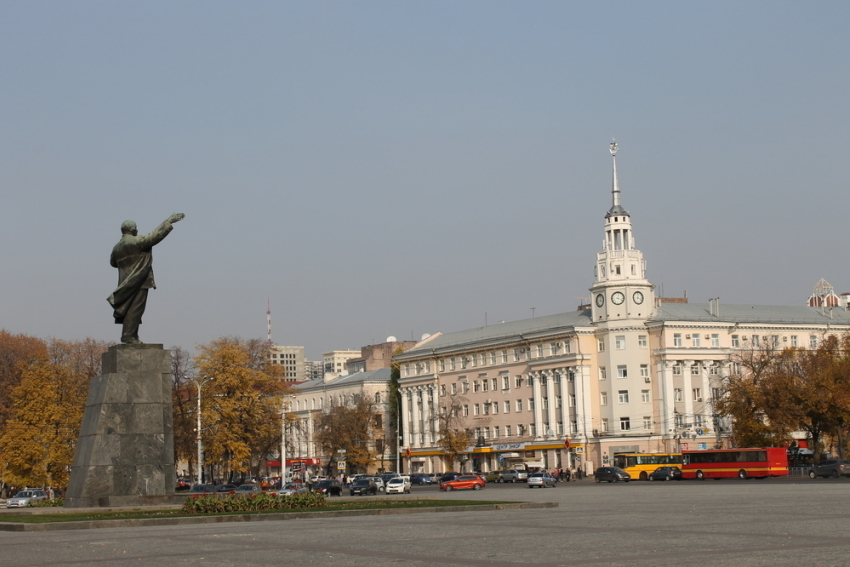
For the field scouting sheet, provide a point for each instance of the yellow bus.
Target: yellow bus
(639, 465)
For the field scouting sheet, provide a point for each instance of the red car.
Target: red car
(472, 481)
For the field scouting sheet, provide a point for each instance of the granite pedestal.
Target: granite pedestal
(125, 454)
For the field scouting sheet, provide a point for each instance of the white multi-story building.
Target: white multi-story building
(335, 361)
(291, 358)
(628, 372)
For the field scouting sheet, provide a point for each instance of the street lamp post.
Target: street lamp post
(283, 441)
(199, 439)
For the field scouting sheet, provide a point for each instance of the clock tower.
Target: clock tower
(620, 290)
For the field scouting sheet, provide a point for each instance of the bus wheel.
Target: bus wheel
(700, 476)
(742, 474)
(643, 476)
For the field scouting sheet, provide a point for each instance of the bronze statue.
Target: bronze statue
(134, 259)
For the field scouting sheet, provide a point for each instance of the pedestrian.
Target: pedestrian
(50, 493)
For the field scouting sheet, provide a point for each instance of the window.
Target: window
(507, 431)
(545, 403)
(495, 383)
(755, 340)
(442, 391)
(714, 370)
(560, 428)
(680, 420)
(813, 341)
(516, 354)
(495, 407)
(677, 369)
(507, 406)
(736, 341)
(454, 388)
(602, 375)
(622, 372)
(695, 340)
(530, 404)
(532, 429)
(600, 345)
(698, 421)
(504, 356)
(518, 381)
(476, 409)
(539, 351)
(695, 370)
(736, 367)
(493, 357)
(553, 348)
(520, 429)
(496, 432)
(697, 394)
(644, 371)
(715, 340)
(623, 396)
(715, 393)
(620, 342)
(506, 382)
(647, 422)
(567, 347)
(485, 385)
(642, 342)
(605, 424)
(464, 388)
(442, 365)
(486, 433)
(573, 427)
(466, 410)
(406, 372)
(486, 408)
(793, 340)
(677, 395)
(603, 398)
(677, 339)
(519, 405)
(625, 424)
(645, 396)
(476, 386)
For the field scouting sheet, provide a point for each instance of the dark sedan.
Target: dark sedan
(831, 467)
(611, 474)
(666, 473)
(226, 489)
(419, 478)
(363, 487)
(328, 487)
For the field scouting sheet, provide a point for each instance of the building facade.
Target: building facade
(627, 372)
(335, 361)
(291, 358)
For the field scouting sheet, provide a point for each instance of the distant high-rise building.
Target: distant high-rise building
(314, 369)
(375, 357)
(335, 362)
(292, 359)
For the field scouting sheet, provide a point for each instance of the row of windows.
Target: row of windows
(521, 430)
(620, 342)
(490, 358)
(626, 423)
(623, 397)
(492, 408)
(696, 340)
(462, 386)
(623, 371)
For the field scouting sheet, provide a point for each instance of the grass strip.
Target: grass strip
(176, 513)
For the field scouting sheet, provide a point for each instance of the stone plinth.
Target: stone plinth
(125, 454)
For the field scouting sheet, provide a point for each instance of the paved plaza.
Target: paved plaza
(730, 522)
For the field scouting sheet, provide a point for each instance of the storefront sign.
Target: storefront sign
(508, 446)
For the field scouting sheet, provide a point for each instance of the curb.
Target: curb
(141, 522)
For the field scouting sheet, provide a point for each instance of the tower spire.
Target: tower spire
(616, 208)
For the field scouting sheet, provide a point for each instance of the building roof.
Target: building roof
(380, 375)
(494, 335)
(770, 314)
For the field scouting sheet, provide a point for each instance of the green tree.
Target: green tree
(455, 437)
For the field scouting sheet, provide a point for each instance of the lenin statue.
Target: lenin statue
(134, 259)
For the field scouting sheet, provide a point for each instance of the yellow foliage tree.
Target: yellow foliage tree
(241, 403)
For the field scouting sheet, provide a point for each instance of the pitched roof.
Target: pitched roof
(771, 314)
(380, 375)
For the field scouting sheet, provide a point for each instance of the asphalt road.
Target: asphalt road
(773, 522)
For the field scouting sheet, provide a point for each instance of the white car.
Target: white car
(379, 481)
(23, 498)
(398, 485)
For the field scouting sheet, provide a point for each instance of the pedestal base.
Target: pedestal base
(125, 453)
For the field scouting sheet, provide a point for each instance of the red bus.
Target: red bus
(730, 463)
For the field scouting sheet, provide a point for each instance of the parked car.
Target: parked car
(290, 488)
(379, 481)
(831, 467)
(541, 480)
(419, 478)
(183, 484)
(363, 486)
(331, 487)
(249, 490)
(226, 489)
(665, 473)
(198, 489)
(26, 497)
(611, 474)
(472, 481)
(449, 476)
(493, 476)
(514, 475)
(398, 485)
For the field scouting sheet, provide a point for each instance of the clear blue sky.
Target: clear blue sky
(397, 168)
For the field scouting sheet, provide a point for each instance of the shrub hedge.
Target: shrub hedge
(51, 503)
(254, 503)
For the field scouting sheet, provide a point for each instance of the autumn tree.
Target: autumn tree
(39, 437)
(241, 403)
(454, 437)
(349, 425)
(16, 352)
(184, 404)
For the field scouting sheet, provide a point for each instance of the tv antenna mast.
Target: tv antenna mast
(269, 321)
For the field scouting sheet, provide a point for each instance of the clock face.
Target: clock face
(638, 297)
(618, 297)
(600, 299)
